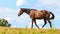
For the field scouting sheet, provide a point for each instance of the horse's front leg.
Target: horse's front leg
(32, 24)
(36, 23)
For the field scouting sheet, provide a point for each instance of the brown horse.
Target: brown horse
(38, 14)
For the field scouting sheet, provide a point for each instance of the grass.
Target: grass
(7, 30)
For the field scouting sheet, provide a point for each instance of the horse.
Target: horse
(38, 14)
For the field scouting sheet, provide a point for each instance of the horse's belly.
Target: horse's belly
(38, 16)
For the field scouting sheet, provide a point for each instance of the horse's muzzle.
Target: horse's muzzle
(18, 15)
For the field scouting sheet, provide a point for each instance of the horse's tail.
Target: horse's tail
(53, 16)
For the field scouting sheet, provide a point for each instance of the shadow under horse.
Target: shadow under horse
(38, 14)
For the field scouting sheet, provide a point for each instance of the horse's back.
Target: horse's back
(36, 14)
(39, 13)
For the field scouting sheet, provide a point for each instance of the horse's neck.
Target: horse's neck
(28, 11)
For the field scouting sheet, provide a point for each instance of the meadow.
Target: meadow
(8, 30)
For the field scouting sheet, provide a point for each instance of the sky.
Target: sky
(9, 10)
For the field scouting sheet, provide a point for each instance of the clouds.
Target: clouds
(21, 2)
(7, 11)
(8, 14)
(48, 2)
(12, 16)
(9, 19)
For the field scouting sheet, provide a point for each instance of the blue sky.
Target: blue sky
(9, 10)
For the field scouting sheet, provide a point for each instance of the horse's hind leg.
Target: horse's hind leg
(35, 23)
(44, 23)
(50, 23)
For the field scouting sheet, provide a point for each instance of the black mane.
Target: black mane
(27, 10)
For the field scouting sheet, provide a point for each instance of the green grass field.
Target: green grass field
(7, 30)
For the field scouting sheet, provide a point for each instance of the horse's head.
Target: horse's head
(22, 10)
